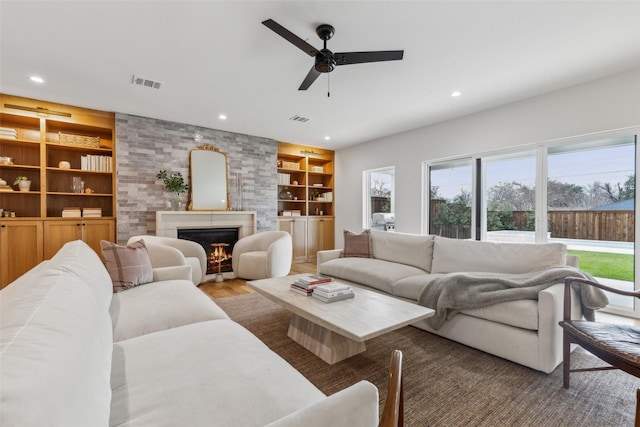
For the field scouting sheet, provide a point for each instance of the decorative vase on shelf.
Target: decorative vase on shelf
(174, 203)
(285, 194)
(24, 185)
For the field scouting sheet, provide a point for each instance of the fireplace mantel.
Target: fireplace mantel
(168, 222)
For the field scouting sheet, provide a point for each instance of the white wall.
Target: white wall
(599, 106)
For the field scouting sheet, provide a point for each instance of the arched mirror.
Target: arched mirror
(208, 172)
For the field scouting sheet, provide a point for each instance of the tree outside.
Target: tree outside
(453, 215)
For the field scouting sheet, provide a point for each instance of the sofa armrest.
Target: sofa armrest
(355, 406)
(328, 255)
(164, 256)
(550, 312)
(176, 272)
(190, 249)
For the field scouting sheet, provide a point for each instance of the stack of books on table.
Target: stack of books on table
(332, 292)
(71, 212)
(92, 212)
(306, 284)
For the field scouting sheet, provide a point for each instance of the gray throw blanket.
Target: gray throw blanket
(455, 292)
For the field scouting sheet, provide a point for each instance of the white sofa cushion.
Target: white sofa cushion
(239, 381)
(409, 249)
(521, 313)
(410, 287)
(158, 306)
(454, 255)
(361, 409)
(79, 259)
(376, 273)
(56, 344)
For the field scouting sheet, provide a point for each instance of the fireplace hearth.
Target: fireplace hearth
(218, 243)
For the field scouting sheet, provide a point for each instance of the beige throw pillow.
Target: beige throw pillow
(357, 245)
(129, 266)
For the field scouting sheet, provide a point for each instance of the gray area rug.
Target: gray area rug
(449, 384)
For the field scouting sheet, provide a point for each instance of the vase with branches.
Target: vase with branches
(175, 184)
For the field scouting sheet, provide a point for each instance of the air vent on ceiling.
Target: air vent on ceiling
(146, 82)
(297, 118)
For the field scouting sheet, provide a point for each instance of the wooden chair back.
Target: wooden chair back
(393, 412)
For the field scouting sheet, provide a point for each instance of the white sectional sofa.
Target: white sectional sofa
(524, 331)
(72, 353)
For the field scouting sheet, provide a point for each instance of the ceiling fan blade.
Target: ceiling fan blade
(347, 58)
(311, 77)
(290, 37)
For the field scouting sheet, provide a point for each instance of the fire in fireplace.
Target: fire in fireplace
(217, 243)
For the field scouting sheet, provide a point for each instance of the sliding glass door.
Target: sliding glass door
(591, 208)
(509, 197)
(451, 199)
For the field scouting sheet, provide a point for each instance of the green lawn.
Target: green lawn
(606, 265)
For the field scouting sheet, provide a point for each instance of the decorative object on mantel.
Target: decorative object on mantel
(239, 192)
(208, 173)
(23, 183)
(175, 185)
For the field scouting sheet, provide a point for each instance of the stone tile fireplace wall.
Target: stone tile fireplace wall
(145, 145)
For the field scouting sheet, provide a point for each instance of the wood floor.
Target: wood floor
(233, 287)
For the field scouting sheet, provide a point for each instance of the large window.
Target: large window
(379, 201)
(450, 199)
(509, 197)
(581, 193)
(591, 208)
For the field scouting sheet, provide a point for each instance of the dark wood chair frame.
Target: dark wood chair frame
(393, 411)
(571, 334)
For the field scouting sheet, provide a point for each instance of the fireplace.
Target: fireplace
(218, 244)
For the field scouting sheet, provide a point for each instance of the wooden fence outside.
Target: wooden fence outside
(615, 226)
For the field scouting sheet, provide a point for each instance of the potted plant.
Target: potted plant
(174, 184)
(23, 183)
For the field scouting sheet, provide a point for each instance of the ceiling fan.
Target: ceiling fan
(325, 60)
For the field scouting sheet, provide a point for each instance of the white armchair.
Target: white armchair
(263, 255)
(168, 251)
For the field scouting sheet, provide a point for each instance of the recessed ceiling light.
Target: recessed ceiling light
(222, 117)
(36, 79)
(327, 138)
(456, 93)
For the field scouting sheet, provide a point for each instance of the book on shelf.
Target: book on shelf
(9, 133)
(71, 212)
(302, 291)
(332, 299)
(95, 163)
(92, 212)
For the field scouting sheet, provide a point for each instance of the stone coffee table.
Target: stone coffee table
(338, 330)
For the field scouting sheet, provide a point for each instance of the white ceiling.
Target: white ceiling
(216, 57)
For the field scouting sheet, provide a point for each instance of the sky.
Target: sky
(611, 164)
